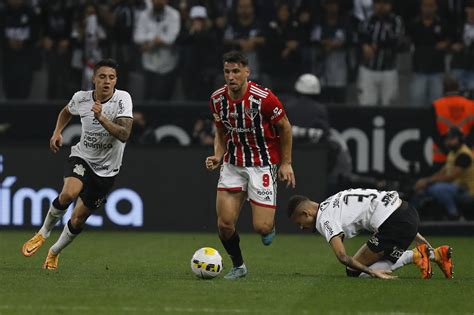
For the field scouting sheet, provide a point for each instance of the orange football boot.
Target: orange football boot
(443, 258)
(421, 258)
(51, 262)
(32, 245)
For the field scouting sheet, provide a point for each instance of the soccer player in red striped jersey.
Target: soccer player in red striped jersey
(253, 137)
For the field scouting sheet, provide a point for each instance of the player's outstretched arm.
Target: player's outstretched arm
(213, 162)
(56, 141)
(120, 128)
(285, 172)
(340, 251)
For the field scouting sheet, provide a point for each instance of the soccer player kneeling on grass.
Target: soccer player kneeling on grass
(106, 118)
(394, 224)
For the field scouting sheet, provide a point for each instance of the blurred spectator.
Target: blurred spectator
(141, 132)
(310, 125)
(307, 12)
(462, 64)
(156, 32)
(452, 11)
(122, 23)
(363, 10)
(245, 34)
(309, 118)
(454, 183)
(451, 110)
(200, 51)
(429, 35)
(88, 35)
(204, 131)
(57, 22)
(19, 34)
(280, 56)
(380, 40)
(332, 36)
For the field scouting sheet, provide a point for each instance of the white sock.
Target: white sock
(52, 217)
(405, 259)
(432, 254)
(64, 240)
(379, 265)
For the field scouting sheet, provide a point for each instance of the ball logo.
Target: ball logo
(208, 267)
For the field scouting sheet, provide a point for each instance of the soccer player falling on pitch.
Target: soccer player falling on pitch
(394, 224)
(253, 136)
(94, 162)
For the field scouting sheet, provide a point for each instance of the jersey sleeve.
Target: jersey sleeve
(72, 106)
(329, 227)
(272, 109)
(215, 114)
(125, 106)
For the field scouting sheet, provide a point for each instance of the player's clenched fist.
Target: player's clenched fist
(97, 109)
(212, 162)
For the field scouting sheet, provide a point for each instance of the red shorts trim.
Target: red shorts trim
(230, 189)
(262, 205)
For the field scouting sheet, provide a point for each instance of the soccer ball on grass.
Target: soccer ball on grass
(206, 263)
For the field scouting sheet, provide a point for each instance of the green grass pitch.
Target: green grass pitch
(149, 273)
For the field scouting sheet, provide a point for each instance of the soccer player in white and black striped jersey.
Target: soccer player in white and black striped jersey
(394, 224)
(106, 118)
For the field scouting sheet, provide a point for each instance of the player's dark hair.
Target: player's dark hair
(106, 63)
(294, 202)
(235, 57)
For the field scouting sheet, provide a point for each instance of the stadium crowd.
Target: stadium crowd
(170, 41)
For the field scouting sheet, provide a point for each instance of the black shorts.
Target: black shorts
(95, 188)
(396, 233)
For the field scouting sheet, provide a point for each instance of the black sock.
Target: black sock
(233, 249)
(58, 206)
(73, 229)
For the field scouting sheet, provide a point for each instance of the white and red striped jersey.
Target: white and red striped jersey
(251, 137)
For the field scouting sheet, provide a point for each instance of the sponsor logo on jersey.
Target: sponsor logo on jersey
(328, 228)
(237, 129)
(389, 198)
(79, 169)
(84, 99)
(267, 198)
(99, 167)
(276, 112)
(121, 108)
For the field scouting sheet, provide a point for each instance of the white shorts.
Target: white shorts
(258, 181)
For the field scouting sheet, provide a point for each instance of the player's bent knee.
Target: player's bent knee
(263, 229)
(78, 222)
(68, 196)
(226, 230)
(352, 273)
